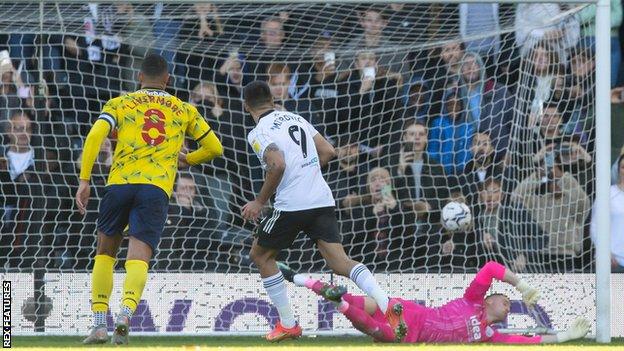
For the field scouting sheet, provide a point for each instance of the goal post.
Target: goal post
(361, 72)
(603, 160)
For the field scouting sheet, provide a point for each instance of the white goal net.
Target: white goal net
(487, 104)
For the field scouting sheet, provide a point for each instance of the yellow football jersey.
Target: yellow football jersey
(150, 125)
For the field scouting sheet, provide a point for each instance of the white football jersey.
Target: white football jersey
(303, 186)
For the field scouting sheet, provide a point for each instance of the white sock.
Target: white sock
(365, 281)
(275, 287)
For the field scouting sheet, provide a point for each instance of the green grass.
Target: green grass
(258, 344)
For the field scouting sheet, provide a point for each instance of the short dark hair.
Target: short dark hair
(154, 66)
(493, 180)
(257, 93)
(413, 122)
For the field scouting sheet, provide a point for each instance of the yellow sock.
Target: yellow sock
(101, 282)
(136, 276)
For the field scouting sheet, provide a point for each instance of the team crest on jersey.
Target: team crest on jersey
(256, 146)
(489, 332)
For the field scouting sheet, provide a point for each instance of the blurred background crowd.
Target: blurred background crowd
(422, 107)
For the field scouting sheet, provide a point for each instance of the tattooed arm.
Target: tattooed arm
(274, 160)
(275, 166)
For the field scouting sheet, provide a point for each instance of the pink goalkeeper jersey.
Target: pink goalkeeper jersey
(461, 320)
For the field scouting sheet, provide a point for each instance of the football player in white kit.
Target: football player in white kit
(292, 153)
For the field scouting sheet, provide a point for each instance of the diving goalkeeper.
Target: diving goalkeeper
(464, 320)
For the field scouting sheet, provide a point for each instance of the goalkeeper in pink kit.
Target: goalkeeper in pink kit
(464, 320)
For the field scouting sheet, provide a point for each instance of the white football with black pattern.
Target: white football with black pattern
(456, 217)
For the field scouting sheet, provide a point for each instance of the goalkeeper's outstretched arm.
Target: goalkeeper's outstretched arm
(580, 328)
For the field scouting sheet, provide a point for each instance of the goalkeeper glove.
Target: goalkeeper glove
(529, 295)
(579, 329)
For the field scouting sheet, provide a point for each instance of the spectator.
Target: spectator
(22, 200)
(534, 23)
(418, 101)
(420, 181)
(186, 237)
(382, 220)
(617, 216)
(556, 201)
(231, 77)
(92, 59)
(422, 188)
(280, 81)
(476, 19)
(580, 92)
(552, 128)
(56, 198)
(572, 158)
(373, 23)
(23, 49)
(326, 89)
(9, 99)
(230, 129)
(404, 25)
(507, 233)
(347, 174)
(546, 75)
(587, 17)
(270, 48)
(451, 134)
(373, 103)
(196, 59)
(489, 105)
(443, 70)
(485, 163)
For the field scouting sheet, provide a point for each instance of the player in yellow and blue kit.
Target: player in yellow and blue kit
(151, 125)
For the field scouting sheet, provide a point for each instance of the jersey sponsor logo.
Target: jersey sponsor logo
(475, 327)
(277, 122)
(313, 161)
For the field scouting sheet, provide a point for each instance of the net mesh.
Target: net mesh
(487, 104)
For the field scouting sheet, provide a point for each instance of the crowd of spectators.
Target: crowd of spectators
(502, 123)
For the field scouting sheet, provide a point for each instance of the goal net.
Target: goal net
(491, 105)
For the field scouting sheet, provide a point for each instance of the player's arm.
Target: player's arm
(275, 165)
(101, 128)
(499, 338)
(325, 150)
(209, 145)
(91, 149)
(493, 270)
(273, 158)
(580, 328)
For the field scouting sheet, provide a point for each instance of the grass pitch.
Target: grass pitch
(305, 343)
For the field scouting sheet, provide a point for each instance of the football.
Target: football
(456, 217)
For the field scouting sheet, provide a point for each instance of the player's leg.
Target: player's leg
(146, 221)
(137, 264)
(277, 231)
(102, 285)
(360, 310)
(359, 313)
(112, 218)
(324, 229)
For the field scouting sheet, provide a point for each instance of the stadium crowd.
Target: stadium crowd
(502, 123)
